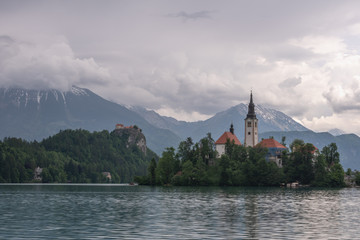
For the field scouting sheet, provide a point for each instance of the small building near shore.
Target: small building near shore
(37, 173)
(107, 175)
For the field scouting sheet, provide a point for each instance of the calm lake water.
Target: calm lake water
(137, 212)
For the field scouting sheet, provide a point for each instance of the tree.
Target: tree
(299, 166)
(321, 175)
(336, 176)
(224, 170)
(283, 141)
(295, 144)
(331, 154)
(188, 174)
(357, 178)
(200, 172)
(46, 176)
(185, 151)
(165, 168)
(152, 172)
(207, 148)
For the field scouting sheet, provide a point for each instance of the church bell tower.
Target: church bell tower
(251, 125)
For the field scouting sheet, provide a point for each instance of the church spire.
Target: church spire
(251, 108)
(251, 125)
(232, 128)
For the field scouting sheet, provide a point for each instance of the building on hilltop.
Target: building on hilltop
(221, 142)
(134, 136)
(275, 150)
(251, 125)
(121, 126)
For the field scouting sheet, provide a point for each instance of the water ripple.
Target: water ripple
(126, 212)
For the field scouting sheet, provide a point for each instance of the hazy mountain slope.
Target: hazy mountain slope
(269, 120)
(336, 132)
(33, 114)
(348, 144)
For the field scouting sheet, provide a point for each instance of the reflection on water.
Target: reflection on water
(136, 212)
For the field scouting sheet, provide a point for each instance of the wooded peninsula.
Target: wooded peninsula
(197, 165)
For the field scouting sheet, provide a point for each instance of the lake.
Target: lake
(36, 211)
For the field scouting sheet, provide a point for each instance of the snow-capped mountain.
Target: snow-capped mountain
(269, 120)
(336, 132)
(36, 114)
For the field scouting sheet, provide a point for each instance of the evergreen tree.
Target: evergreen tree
(152, 172)
(165, 168)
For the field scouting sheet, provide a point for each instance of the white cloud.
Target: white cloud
(182, 115)
(320, 44)
(45, 64)
(354, 29)
(345, 121)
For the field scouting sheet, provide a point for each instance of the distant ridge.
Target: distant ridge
(37, 114)
(269, 119)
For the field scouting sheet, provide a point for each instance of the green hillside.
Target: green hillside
(76, 156)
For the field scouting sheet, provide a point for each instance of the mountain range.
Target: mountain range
(36, 114)
(270, 120)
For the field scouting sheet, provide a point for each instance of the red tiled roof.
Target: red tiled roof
(315, 148)
(270, 143)
(226, 136)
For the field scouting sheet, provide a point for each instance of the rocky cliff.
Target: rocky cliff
(134, 136)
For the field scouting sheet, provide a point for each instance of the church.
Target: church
(251, 138)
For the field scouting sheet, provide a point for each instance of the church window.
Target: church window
(249, 124)
(255, 124)
(249, 133)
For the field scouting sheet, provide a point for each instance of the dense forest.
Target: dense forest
(76, 156)
(196, 164)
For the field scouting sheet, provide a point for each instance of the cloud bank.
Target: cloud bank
(301, 58)
(41, 65)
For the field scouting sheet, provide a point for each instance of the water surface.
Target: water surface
(139, 212)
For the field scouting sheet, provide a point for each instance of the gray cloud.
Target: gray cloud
(343, 102)
(290, 82)
(206, 66)
(192, 16)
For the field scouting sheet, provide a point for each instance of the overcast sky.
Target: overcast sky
(192, 59)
